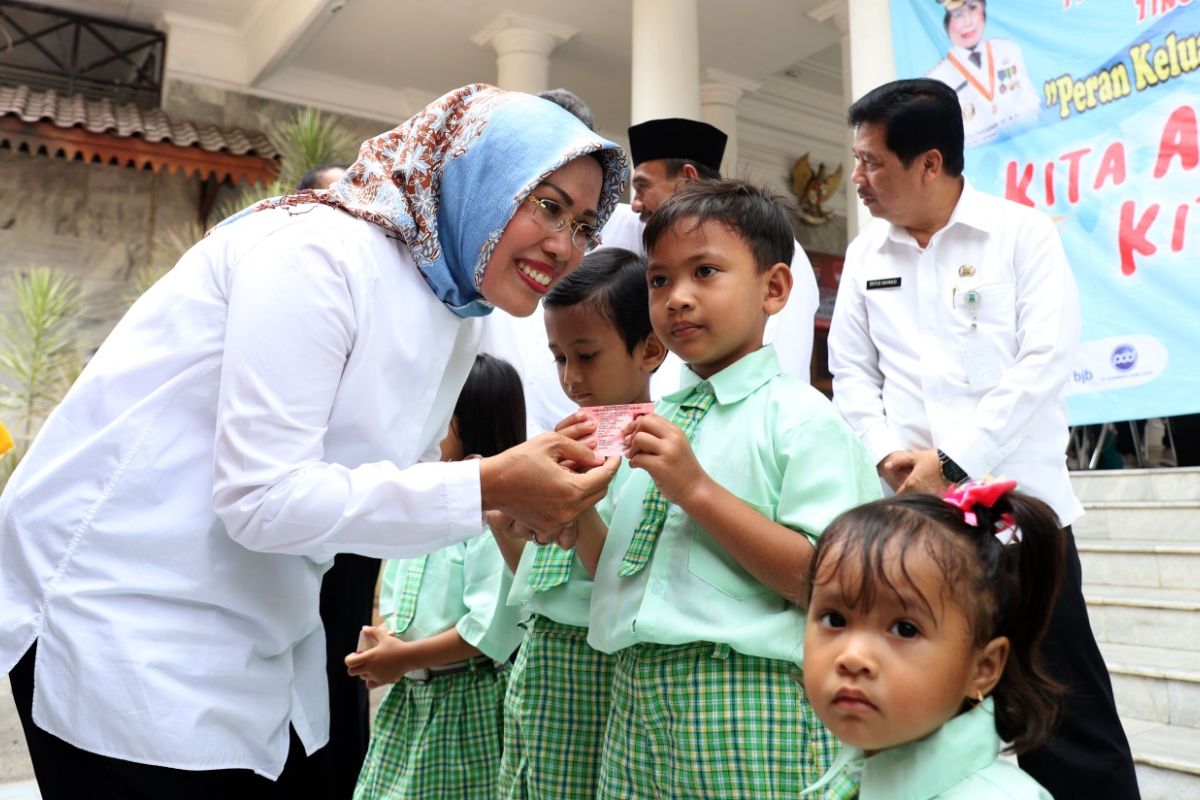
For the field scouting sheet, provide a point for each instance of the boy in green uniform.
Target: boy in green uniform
(698, 586)
(557, 704)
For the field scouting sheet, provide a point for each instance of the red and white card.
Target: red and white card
(611, 421)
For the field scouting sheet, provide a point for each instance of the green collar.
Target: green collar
(926, 768)
(737, 381)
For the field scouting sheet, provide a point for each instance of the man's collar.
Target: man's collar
(969, 211)
(737, 381)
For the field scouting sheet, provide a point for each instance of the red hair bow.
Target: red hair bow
(970, 495)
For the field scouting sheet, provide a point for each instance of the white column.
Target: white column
(666, 60)
(523, 46)
(872, 62)
(719, 95)
(865, 28)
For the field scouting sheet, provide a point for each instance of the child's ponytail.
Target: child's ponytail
(1026, 696)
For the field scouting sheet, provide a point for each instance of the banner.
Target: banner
(1087, 110)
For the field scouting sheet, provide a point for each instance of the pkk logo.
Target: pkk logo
(1124, 357)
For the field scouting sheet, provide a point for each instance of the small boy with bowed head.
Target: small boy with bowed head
(733, 478)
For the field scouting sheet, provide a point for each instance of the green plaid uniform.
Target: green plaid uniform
(406, 605)
(436, 740)
(554, 715)
(843, 786)
(654, 505)
(551, 568)
(703, 721)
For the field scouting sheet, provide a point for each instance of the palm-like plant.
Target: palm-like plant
(305, 139)
(39, 352)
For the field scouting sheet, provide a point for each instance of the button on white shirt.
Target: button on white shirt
(965, 345)
(791, 330)
(262, 408)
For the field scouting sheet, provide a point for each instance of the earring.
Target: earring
(978, 696)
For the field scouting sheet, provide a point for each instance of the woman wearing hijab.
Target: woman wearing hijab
(270, 402)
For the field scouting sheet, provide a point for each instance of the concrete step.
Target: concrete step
(1137, 484)
(1139, 520)
(1167, 759)
(1154, 563)
(1155, 684)
(1145, 616)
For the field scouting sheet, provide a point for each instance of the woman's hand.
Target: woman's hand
(530, 483)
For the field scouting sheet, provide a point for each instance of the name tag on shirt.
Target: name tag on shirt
(883, 283)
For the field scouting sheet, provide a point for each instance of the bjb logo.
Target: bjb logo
(1083, 375)
(1124, 357)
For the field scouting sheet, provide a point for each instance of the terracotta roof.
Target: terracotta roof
(101, 116)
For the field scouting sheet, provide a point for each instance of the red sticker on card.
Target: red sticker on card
(611, 421)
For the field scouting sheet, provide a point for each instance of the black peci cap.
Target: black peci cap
(677, 138)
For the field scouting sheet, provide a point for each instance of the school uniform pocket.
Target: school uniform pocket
(709, 562)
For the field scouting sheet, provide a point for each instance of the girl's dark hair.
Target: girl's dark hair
(755, 214)
(490, 411)
(613, 281)
(1003, 589)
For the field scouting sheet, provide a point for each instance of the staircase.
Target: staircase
(1140, 547)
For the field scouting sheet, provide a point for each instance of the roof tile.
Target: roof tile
(101, 116)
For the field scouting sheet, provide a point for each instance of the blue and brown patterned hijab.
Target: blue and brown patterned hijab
(448, 180)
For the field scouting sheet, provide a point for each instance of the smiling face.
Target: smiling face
(595, 368)
(966, 24)
(895, 672)
(709, 301)
(530, 257)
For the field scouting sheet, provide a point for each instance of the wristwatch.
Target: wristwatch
(951, 472)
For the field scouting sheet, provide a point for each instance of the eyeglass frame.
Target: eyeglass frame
(563, 220)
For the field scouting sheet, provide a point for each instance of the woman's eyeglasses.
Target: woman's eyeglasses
(553, 217)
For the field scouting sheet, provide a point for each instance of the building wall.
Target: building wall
(777, 125)
(101, 223)
(97, 223)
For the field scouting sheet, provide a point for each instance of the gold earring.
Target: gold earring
(978, 696)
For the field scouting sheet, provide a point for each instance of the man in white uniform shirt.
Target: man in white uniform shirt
(994, 88)
(950, 346)
(667, 154)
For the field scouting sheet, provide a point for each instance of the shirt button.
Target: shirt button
(657, 587)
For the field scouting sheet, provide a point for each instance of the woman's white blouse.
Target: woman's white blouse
(262, 407)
